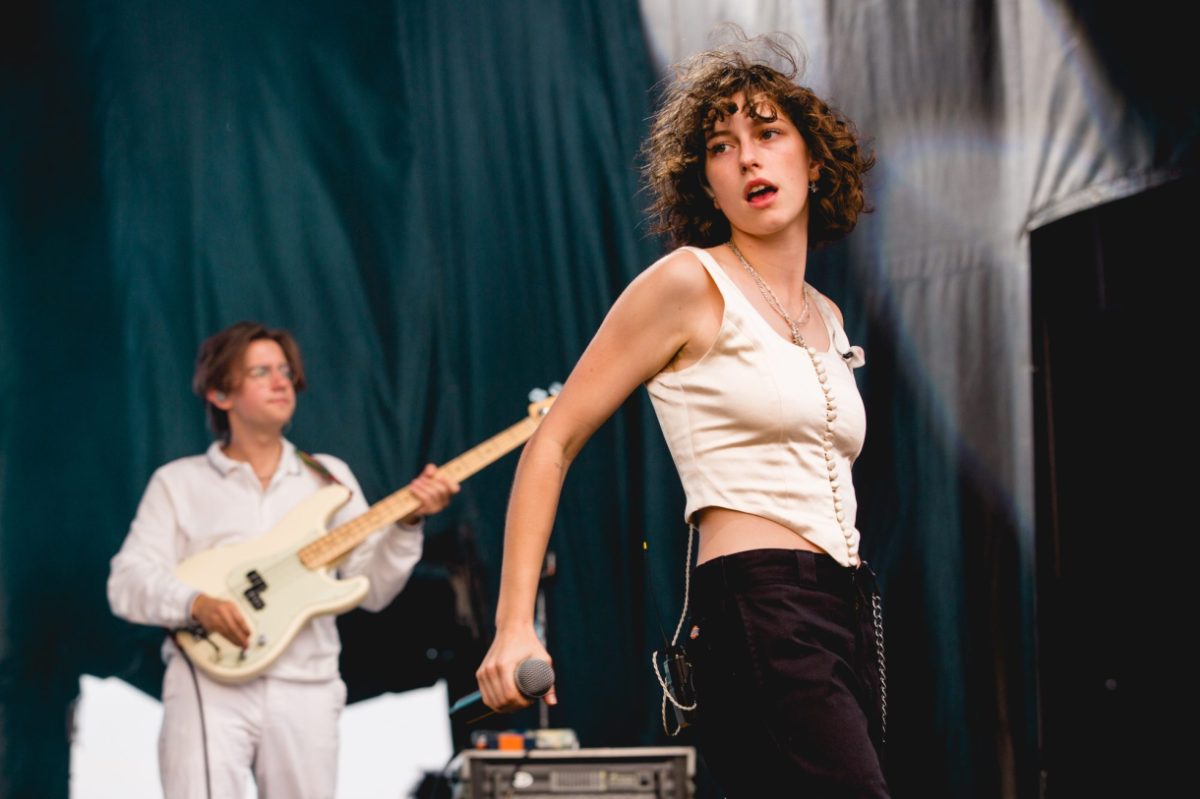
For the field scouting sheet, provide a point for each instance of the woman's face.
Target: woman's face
(758, 170)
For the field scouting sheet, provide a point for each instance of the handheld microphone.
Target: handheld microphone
(534, 679)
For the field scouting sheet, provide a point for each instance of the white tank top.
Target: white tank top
(747, 424)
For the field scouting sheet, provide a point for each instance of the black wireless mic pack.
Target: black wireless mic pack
(679, 681)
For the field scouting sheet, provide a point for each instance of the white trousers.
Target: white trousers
(283, 732)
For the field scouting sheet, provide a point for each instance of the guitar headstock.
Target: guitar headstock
(540, 399)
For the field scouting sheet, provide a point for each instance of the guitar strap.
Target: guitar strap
(318, 467)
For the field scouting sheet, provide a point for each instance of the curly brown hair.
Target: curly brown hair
(700, 96)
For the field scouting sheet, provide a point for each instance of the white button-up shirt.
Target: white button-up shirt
(196, 503)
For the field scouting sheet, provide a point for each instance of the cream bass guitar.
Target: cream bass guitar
(285, 577)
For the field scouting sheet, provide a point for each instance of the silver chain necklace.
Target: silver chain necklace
(777, 306)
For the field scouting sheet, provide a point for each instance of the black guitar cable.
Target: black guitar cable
(199, 632)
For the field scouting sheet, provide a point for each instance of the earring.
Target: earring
(221, 396)
(812, 186)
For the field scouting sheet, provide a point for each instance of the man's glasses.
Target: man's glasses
(264, 372)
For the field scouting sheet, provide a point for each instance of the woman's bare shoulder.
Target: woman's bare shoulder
(679, 273)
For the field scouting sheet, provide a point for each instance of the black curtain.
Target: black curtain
(1110, 322)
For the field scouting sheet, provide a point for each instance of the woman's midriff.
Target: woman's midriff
(726, 532)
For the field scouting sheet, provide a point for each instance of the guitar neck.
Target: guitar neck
(338, 542)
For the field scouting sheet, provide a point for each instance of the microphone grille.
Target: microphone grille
(534, 677)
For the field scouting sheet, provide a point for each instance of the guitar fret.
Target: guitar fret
(338, 542)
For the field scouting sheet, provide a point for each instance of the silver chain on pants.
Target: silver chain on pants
(877, 618)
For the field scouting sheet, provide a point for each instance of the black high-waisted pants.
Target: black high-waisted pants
(787, 675)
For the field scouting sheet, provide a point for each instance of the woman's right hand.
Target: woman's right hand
(497, 673)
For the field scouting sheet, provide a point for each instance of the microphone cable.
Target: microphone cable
(671, 649)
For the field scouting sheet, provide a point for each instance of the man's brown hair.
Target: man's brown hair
(219, 364)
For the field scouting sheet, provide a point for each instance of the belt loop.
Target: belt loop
(726, 588)
(806, 567)
(857, 588)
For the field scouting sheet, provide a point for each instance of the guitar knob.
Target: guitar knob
(537, 395)
(262, 639)
(555, 388)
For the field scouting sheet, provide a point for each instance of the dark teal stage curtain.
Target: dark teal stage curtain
(439, 199)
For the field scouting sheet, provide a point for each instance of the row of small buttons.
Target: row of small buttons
(830, 463)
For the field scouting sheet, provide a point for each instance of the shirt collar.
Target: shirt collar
(288, 462)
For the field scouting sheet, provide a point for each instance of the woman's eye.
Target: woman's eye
(718, 148)
(770, 133)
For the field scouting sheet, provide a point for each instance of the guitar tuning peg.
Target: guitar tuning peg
(537, 395)
(555, 388)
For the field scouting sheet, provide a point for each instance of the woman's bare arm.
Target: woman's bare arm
(669, 312)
